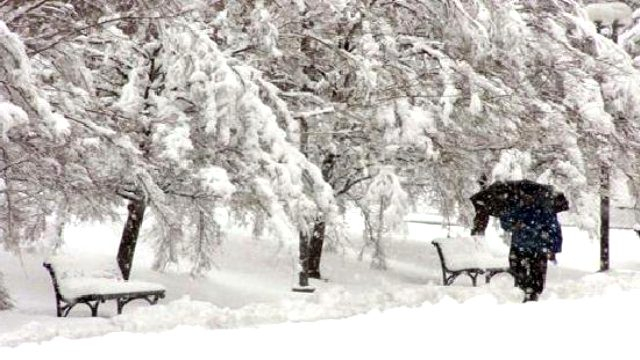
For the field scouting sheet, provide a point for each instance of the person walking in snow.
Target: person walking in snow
(535, 235)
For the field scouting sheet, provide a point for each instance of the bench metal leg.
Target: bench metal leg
(151, 299)
(492, 273)
(64, 310)
(120, 303)
(58, 308)
(453, 275)
(451, 278)
(94, 308)
(474, 277)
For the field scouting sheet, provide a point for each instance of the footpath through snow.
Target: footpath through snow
(406, 302)
(334, 302)
(586, 328)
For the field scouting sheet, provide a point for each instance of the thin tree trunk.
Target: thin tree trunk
(129, 237)
(367, 233)
(59, 225)
(378, 260)
(481, 219)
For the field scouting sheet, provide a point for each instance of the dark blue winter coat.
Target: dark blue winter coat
(533, 228)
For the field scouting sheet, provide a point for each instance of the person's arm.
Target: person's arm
(480, 222)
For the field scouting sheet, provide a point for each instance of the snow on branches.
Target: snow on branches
(282, 110)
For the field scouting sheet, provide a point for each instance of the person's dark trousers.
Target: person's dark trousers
(529, 269)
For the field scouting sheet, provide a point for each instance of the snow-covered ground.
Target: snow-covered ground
(245, 308)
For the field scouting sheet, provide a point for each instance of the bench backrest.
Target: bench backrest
(66, 267)
(63, 267)
(470, 252)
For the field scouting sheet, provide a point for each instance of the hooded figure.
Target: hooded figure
(535, 235)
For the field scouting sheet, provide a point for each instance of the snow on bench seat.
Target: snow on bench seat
(469, 255)
(73, 288)
(91, 281)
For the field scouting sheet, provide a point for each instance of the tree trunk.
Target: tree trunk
(367, 233)
(315, 249)
(481, 219)
(379, 260)
(303, 279)
(61, 217)
(130, 236)
(604, 218)
(319, 225)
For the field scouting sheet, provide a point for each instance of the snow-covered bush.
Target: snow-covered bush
(384, 206)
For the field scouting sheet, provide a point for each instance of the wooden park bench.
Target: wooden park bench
(471, 256)
(94, 282)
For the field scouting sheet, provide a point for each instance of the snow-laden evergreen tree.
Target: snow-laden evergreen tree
(156, 113)
(186, 129)
(199, 107)
(326, 68)
(40, 167)
(449, 92)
